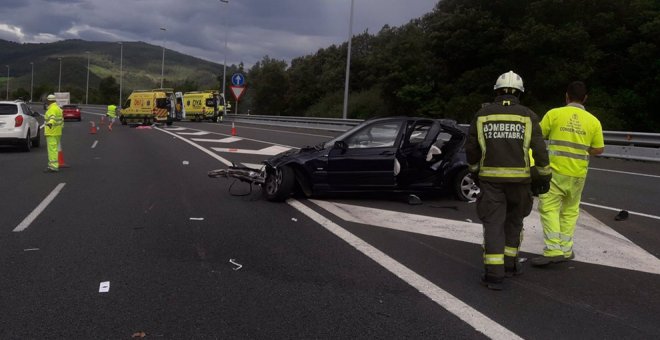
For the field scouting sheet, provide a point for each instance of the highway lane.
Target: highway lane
(125, 213)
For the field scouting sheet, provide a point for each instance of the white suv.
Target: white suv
(19, 125)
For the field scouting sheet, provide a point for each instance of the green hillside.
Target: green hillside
(141, 65)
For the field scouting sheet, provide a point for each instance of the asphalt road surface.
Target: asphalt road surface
(133, 239)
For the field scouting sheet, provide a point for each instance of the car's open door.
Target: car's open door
(366, 159)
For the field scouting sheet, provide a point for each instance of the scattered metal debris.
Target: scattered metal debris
(621, 216)
(233, 261)
(294, 219)
(469, 220)
(414, 200)
(186, 162)
(104, 287)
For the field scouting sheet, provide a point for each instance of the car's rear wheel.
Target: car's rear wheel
(279, 184)
(465, 187)
(26, 145)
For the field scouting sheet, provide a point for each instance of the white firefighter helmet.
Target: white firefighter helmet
(51, 98)
(509, 80)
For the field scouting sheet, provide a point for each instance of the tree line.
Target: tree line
(445, 63)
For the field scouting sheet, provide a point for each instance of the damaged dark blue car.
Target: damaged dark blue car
(394, 154)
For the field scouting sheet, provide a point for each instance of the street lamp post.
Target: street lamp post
(121, 69)
(224, 64)
(87, 89)
(162, 66)
(59, 82)
(31, 81)
(348, 61)
(7, 82)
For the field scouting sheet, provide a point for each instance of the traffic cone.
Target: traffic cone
(60, 157)
(92, 128)
(233, 129)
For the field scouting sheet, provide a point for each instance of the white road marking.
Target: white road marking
(198, 133)
(252, 139)
(197, 218)
(39, 209)
(224, 161)
(625, 172)
(287, 132)
(615, 209)
(269, 151)
(186, 162)
(176, 129)
(471, 316)
(31, 249)
(253, 166)
(595, 242)
(223, 140)
(104, 287)
(94, 144)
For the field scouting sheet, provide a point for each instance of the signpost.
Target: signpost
(237, 87)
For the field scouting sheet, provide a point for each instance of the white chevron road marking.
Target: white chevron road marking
(198, 133)
(269, 151)
(222, 140)
(595, 242)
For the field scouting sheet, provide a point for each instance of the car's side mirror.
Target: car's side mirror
(340, 144)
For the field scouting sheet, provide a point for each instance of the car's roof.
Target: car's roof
(11, 102)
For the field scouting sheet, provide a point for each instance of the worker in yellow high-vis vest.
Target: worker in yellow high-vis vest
(112, 115)
(53, 123)
(573, 135)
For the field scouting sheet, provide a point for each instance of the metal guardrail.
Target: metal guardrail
(619, 144)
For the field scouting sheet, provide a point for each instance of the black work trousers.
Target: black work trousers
(501, 208)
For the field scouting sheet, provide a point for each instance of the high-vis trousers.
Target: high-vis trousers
(53, 142)
(560, 209)
(501, 208)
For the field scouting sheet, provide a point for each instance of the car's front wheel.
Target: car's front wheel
(465, 187)
(279, 184)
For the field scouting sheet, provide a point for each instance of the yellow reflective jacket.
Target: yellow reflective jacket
(54, 117)
(112, 109)
(499, 140)
(571, 131)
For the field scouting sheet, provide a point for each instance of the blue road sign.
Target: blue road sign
(238, 79)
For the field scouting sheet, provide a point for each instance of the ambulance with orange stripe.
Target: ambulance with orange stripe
(148, 106)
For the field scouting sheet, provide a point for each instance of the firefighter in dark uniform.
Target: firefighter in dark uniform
(500, 137)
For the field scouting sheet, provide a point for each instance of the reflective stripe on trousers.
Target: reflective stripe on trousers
(53, 142)
(559, 209)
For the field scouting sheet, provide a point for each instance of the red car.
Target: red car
(71, 112)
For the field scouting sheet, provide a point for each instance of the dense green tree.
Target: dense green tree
(269, 82)
(108, 90)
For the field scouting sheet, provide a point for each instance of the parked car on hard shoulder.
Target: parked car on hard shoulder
(19, 125)
(71, 111)
(394, 154)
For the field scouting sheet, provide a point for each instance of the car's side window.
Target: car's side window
(375, 136)
(26, 110)
(419, 133)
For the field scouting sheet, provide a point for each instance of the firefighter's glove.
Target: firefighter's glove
(540, 183)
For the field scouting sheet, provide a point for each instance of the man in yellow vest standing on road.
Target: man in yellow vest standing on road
(112, 114)
(573, 135)
(53, 121)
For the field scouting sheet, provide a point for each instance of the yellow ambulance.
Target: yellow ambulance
(148, 106)
(202, 105)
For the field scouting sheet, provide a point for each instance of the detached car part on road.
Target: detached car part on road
(394, 154)
(19, 125)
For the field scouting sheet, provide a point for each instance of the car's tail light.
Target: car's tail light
(18, 121)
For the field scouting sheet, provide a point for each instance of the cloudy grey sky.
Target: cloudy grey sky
(281, 29)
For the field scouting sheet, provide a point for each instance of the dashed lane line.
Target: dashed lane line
(471, 316)
(39, 209)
